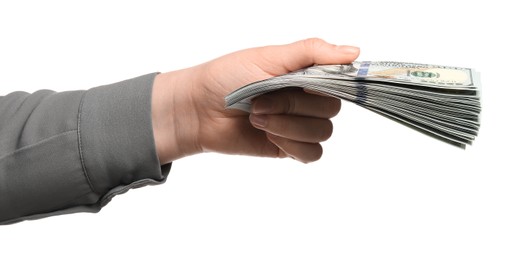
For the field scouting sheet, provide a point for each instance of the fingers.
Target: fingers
(308, 52)
(296, 128)
(303, 152)
(295, 121)
(295, 136)
(296, 102)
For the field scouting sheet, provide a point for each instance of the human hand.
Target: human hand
(189, 114)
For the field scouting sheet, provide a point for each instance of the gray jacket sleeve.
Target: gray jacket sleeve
(73, 151)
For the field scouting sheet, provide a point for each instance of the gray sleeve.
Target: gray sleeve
(73, 151)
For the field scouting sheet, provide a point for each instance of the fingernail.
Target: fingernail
(349, 49)
(262, 105)
(258, 120)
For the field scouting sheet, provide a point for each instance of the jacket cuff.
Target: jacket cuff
(116, 138)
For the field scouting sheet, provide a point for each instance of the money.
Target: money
(441, 101)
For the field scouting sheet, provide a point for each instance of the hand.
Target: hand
(189, 114)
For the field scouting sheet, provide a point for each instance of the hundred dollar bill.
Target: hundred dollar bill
(436, 76)
(415, 78)
(441, 101)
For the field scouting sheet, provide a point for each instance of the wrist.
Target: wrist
(174, 119)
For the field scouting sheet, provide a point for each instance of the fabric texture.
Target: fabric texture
(73, 151)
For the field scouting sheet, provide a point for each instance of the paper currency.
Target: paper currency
(441, 101)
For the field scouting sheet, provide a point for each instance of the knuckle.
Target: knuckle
(313, 43)
(282, 102)
(291, 104)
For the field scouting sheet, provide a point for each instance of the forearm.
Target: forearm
(73, 151)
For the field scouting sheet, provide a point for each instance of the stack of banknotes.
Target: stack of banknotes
(441, 101)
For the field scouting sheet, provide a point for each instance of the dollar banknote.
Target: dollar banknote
(441, 101)
(443, 77)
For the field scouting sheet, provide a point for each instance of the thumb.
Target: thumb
(309, 52)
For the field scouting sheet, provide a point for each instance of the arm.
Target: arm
(73, 151)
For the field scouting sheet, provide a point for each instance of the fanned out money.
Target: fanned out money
(441, 101)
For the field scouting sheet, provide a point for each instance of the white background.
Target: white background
(381, 190)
